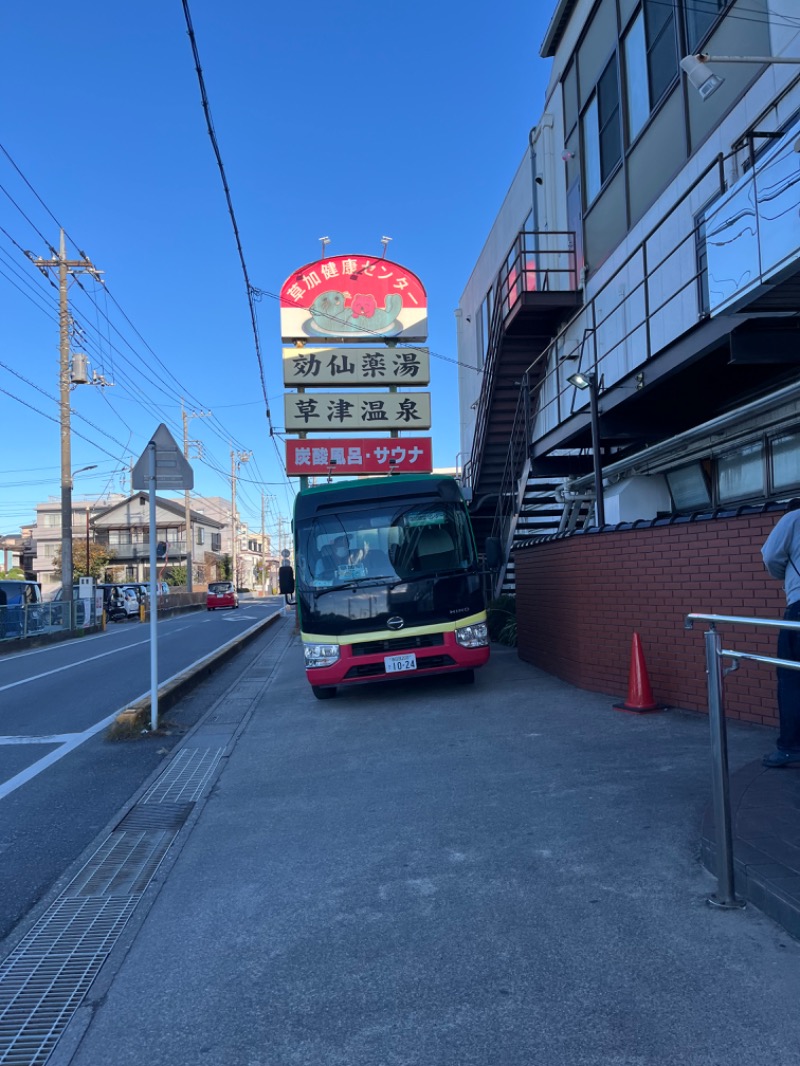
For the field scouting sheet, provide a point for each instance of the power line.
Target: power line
(210, 127)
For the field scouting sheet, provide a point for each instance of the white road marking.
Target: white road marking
(58, 738)
(80, 662)
(74, 741)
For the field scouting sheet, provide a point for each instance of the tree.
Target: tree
(99, 558)
(175, 575)
(226, 570)
(16, 573)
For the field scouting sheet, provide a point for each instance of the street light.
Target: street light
(589, 381)
(707, 81)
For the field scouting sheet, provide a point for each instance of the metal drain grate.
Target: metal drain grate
(124, 864)
(45, 978)
(155, 816)
(185, 777)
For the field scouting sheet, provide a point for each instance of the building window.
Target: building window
(651, 61)
(201, 535)
(216, 542)
(130, 573)
(602, 143)
(740, 474)
(51, 520)
(689, 488)
(700, 16)
(785, 462)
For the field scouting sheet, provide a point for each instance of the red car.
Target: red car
(221, 594)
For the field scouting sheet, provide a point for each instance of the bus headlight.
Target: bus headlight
(474, 636)
(320, 654)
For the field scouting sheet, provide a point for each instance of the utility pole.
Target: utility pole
(237, 458)
(186, 415)
(65, 267)
(263, 552)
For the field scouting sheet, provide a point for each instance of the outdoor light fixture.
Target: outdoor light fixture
(704, 79)
(580, 381)
(80, 471)
(589, 381)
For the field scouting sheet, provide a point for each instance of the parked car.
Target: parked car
(221, 594)
(143, 590)
(56, 613)
(19, 598)
(119, 603)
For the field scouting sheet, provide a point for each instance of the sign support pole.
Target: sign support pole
(153, 591)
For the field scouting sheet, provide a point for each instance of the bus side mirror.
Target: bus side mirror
(285, 580)
(494, 553)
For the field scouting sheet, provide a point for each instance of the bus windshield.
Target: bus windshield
(384, 541)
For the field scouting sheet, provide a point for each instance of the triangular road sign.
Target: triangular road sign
(172, 469)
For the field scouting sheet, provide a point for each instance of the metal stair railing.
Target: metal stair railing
(514, 481)
(529, 267)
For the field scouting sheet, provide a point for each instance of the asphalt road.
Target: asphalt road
(61, 780)
(420, 873)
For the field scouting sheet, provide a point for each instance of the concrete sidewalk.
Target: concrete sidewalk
(429, 874)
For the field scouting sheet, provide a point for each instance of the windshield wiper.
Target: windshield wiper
(359, 583)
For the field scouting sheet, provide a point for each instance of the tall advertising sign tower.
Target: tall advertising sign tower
(355, 368)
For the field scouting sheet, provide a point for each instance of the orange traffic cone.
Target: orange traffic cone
(640, 695)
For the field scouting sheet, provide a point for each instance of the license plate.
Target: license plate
(396, 663)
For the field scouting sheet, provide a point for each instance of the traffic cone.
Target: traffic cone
(640, 695)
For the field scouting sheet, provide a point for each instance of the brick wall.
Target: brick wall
(581, 598)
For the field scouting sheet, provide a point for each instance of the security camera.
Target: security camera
(700, 74)
(539, 179)
(566, 155)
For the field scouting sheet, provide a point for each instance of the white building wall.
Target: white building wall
(515, 208)
(673, 302)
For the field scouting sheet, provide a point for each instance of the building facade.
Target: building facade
(44, 542)
(649, 251)
(649, 238)
(124, 528)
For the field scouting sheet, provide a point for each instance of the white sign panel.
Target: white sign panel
(362, 411)
(356, 367)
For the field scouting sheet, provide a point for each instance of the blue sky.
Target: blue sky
(352, 122)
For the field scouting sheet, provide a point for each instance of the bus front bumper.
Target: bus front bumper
(357, 663)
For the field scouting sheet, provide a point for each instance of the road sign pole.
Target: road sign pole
(161, 463)
(153, 590)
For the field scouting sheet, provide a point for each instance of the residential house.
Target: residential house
(45, 535)
(124, 528)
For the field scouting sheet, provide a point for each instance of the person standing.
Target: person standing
(781, 554)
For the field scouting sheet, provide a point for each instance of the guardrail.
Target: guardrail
(725, 895)
(20, 621)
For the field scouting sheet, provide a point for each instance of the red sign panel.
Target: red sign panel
(353, 298)
(359, 455)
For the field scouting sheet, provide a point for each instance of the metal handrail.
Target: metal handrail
(725, 895)
(520, 265)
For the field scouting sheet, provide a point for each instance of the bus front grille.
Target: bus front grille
(395, 644)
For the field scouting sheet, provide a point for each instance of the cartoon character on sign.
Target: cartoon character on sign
(331, 315)
(350, 298)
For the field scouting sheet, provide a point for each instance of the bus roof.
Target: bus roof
(396, 486)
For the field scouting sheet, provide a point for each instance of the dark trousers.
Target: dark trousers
(789, 684)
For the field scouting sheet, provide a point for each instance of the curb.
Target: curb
(175, 687)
